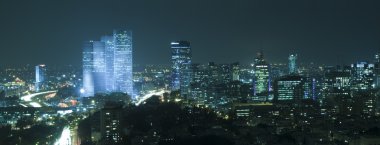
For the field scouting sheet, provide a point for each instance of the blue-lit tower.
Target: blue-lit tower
(292, 64)
(88, 65)
(123, 61)
(40, 76)
(181, 66)
(99, 68)
(109, 62)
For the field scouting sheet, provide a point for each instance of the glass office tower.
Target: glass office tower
(181, 66)
(292, 64)
(123, 61)
(88, 65)
(40, 76)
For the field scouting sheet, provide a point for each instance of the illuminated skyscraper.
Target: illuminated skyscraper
(235, 71)
(40, 76)
(123, 61)
(181, 66)
(94, 76)
(377, 71)
(292, 64)
(109, 62)
(99, 68)
(88, 65)
(261, 75)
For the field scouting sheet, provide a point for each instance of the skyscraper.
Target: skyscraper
(292, 64)
(377, 70)
(88, 65)
(123, 61)
(99, 68)
(289, 88)
(181, 66)
(235, 71)
(261, 75)
(109, 60)
(107, 64)
(40, 76)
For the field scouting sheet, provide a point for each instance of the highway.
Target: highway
(150, 94)
(65, 138)
(28, 99)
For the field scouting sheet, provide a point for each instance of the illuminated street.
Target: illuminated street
(29, 99)
(65, 138)
(150, 94)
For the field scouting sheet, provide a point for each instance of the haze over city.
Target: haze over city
(52, 32)
(195, 72)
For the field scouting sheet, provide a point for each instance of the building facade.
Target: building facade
(261, 81)
(40, 76)
(292, 64)
(181, 67)
(123, 61)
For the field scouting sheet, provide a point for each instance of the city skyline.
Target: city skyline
(170, 72)
(341, 31)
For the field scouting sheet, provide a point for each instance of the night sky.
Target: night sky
(224, 31)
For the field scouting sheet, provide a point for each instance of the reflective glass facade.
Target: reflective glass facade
(181, 66)
(123, 61)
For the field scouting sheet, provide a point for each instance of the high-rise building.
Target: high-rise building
(123, 76)
(110, 120)
(109, 60)
(377, 70)
(94, 77)
(40, 76)
(289, 88)
(261, 79)
(99, 68)
(88, 65)
(235, 71)
(181, 66)
(362, 74)
(292, 64)
(337, 82)
(107, 64)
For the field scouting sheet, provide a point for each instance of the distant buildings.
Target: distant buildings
(362, 74)
(107, 64)
(40, 76)
(292, 64)
(181, 66)
(289, 88)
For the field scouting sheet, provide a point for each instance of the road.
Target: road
(150, 94)
(28, 99)
(65, 138)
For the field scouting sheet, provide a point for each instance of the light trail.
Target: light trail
(147, 96)
(29, 97)
(23, 105)
(35, 104)
(65, 138)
